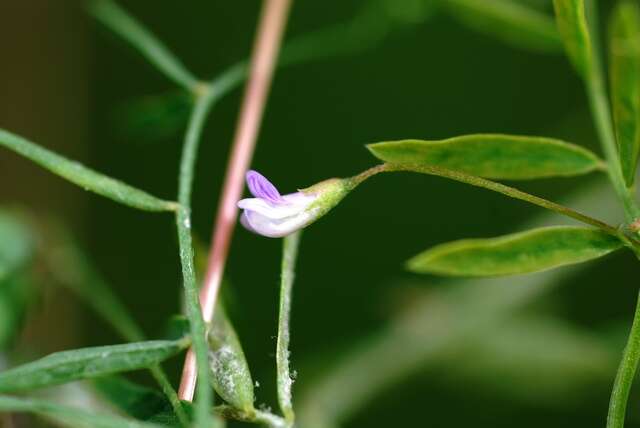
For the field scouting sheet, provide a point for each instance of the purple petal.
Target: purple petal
(262, 188)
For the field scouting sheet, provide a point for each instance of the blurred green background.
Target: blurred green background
(70, 85)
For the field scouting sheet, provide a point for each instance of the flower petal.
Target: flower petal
(245, 222)
(276, 228)
(262, 188)
(290, 205)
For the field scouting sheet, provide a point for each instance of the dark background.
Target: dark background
(69, 84)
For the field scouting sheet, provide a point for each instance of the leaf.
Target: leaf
(508, 20)
(16, 243)
(230, 371)
(572, 24)
(531, 251)
(63, 367)
(84, 177)
(625, 84)
(495, 156)
(68, 416)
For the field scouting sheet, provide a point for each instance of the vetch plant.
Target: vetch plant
(215, 360)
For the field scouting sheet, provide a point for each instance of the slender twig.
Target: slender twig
(265, 51)
(625, 375)
(183, 222)
(127, 27)
(489, 185)
(601, 112)
(289, 255)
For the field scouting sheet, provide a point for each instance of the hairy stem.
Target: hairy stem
(265, 52)
(601, 112)
(625, 375)
(289, 256)
(183, 222)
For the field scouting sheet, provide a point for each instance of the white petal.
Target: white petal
(292, 204)
(276, 228)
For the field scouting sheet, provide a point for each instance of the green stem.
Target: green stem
(204, 397)
(131, 30)
(289, 254)
(625, 375)
(493, 186)
(601, 112)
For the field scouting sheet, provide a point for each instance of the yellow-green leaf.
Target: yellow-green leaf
(572, 24)
(494, 156)
(624, 46)
(508, 20)
(531, 251)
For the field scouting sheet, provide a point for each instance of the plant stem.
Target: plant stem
(183, 222)
(601, 112)
(289, 255)
(625, 375)
(493, 186)
(265, 51)
(130, 29)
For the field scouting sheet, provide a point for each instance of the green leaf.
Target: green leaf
(68, 416)
(229, 368)
(16, 244)
(531, 251)
(83, 176)
(493, 156)
(63, 367)
(508, 20)
(572, 24)
(625, 84)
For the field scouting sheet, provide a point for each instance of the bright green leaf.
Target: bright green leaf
(625, 84)
(63, 367)
(572, 24)
(83, 176)
(230, 371)
(68, 416)
(509, 20)
(531, 251)
(493, 156)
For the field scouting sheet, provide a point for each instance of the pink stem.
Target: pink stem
(263, 60)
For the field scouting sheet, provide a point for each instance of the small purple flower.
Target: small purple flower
(271, 214)
(274, 215)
